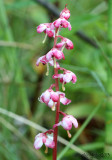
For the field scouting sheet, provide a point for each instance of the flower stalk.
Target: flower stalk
(50, 97)
(58, 103)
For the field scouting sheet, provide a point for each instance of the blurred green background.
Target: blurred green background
(21, 82)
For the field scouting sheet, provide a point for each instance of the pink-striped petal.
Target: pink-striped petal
(49, 55)
(50, 32)
(58, 124)
(45, 97)
(67, 77)
(41, 28)
(39, 60)
(58, 54)
(74, 78)
(65, 100)
(57, 76)
(49, 142)
(51, 62)
(66, 123)
(57, 23)
(61, 93)
(55, 96)
(60, 45)
(74, 121)
(38, 143)
(50, 103)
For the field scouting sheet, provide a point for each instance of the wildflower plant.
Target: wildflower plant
(52, 98)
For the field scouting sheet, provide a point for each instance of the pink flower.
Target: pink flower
(65, 13)
(55, 53)
(46, 27)
(67, 122)
(50, 98)
(43, 138)
(66, 77)
(62, 22)
(44, 61)
(65, 41)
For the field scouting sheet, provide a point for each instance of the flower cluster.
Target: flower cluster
(52, 98)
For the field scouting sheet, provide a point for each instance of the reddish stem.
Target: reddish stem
(57, 107)
(64, 114)
(53, 85)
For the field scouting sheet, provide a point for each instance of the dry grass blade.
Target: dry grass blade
(16, 132)
(42, 129)
(16, 45)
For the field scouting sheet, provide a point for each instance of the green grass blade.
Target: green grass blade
(80, 130)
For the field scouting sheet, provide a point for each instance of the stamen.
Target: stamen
(54, 62)
(47, 73)
(53, 107)
(46, 150)
(58, 30)
(69, 135)
(44, 38)
(63, 88)
(63, 47)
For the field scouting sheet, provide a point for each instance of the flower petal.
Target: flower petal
(51, 62)
(50, 32)
(55, 96)
(61, 93)
(66, 123)
(49, 142)
(65, 100)
(50, 103)
(57, 76)
(60, 45)
(45, 97)
(58, 54)
(39, 60)
(67, 77)
(38, 143)
(49, 55)
(57, 23)
(58, 124)
(74, 121)
(74, 78)
(41, 28)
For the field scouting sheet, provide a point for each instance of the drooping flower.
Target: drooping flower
(50, 98)
(65, 42)
(55, 53)
(41, 60)
(44, 61)
(61, 23)
(46, 28)
(66, 77)
(67, 122)
(44, 138)
(65, 13)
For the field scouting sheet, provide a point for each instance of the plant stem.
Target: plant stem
(58, 105)
(108, 130)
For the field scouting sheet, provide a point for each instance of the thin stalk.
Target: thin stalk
(58, 105)
(108, 129)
